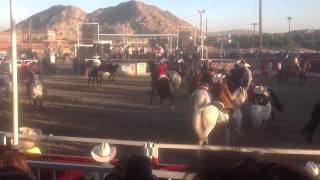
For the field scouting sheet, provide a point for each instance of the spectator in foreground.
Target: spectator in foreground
(138, 168)
(247, 169)
(14, 166)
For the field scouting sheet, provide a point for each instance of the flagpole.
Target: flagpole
(14, 72)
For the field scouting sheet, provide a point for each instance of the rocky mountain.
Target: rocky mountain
(127, 17)
(61, 19)
(135, 17)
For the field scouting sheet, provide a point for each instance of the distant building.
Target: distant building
(51, 36)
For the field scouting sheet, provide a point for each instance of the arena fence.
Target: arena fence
(150, 149)
(92, 171)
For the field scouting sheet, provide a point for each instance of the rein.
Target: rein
(204, 87)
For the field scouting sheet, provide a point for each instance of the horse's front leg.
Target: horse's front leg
(172, 101)
(113, 75)
(97, 81)
(151, 97)
(88, 81)
(101, 79)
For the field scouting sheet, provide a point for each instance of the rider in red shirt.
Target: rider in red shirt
(162, 68)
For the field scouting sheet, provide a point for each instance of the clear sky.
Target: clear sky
(221, 14)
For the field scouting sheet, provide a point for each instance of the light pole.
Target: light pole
(30, 21)
(254, 33)
(98, 30)
(14, 72)
(289, 20)
(201, 35)
(260, 25)
(312, 36)
(178, 32)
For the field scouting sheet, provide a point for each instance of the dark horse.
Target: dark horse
(96, 72)
(162, 85)
(304, 68)
(289, 68)
(313, 123)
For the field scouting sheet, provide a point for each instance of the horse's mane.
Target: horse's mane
(234, 78)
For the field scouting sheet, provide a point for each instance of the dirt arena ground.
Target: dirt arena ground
(121, 110)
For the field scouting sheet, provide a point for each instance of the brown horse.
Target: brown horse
(304, 69)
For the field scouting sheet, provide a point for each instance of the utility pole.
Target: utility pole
(14, 73)
(254, 33)
(260, 24)
(289, 20)
(195, 36)
(206, 40)
(30, 34)
(312, 36)
(201, 35)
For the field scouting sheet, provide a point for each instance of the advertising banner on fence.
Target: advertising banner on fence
(128, 69)
(142, 69)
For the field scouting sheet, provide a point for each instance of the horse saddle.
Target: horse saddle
(163, 76)
(219, 105)
(223, 113)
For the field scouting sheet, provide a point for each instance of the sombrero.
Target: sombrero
(246, 65)
(312, 168)
(218, 77)
(28, 143)
(103, 153)
(260, 89)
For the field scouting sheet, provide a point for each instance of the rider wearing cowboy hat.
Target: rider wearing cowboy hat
(34, 70)
(222, 93)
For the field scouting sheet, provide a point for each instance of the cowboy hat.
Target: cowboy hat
(103, 153)
(246, 65)
(217, 77)
(312, 168)
(163, 60)
(260, 89)
(28, 143)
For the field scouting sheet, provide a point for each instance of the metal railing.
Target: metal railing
(97, 171)
(150, 149)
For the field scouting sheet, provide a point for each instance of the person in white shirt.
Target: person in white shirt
(52, 58)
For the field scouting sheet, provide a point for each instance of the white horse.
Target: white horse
(206, 116)
(261, 109)
(5, 87)
(36, 91)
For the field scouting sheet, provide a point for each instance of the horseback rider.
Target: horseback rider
(5, 68)
(162, 68)
(34, 70)
(247, 74)
(261, 95)
(5, 78)
(222, 94)
(159, 51)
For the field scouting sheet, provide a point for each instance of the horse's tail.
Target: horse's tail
(313, 123)
(277, 104)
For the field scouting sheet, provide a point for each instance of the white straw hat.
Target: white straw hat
(312, 168)
(217, 77)
(28, 143)
(260, 89)
(103, 153)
